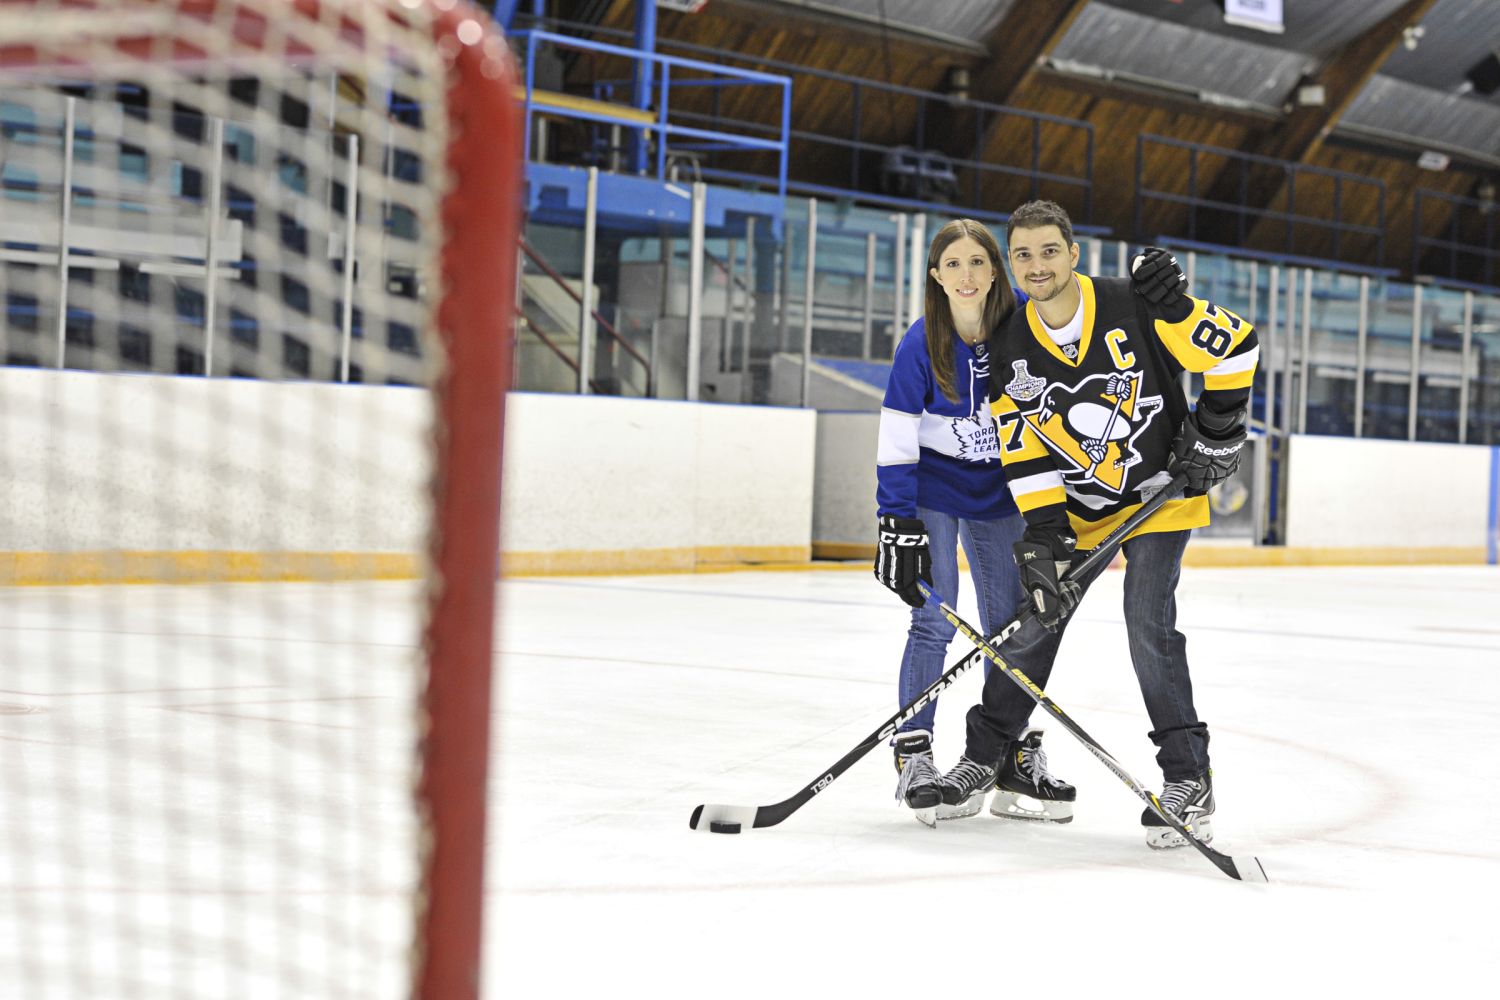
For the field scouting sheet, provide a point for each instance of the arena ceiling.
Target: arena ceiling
(1420, 92)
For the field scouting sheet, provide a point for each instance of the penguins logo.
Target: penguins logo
(1094, 426)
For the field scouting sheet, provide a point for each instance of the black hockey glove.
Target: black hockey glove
(1043, 557)
(1208, 448)
(1156, 277)
(901, 558)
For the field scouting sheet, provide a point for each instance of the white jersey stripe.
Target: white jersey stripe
(1035, 484)
(898, 438)
(1233, 366)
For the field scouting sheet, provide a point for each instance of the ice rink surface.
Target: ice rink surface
(1355, 715)
(208, 795)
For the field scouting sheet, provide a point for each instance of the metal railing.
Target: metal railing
(599, 323)
(1459, 209)
(1248, 215)
(863, 93)
(663, 130)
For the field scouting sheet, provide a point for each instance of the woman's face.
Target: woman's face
(966, 273)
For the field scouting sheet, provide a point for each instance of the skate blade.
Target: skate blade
(1010, 805)
(927, 817)
(1164, 838)
(968, 807)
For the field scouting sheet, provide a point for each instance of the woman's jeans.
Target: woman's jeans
(992, 566)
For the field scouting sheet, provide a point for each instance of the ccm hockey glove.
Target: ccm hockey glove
(1043, 557)
(1208, 449)
(1156, 277)
(902, 558)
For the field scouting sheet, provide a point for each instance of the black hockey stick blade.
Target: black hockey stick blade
(716, 817)
(721, 818)
(1247, 869)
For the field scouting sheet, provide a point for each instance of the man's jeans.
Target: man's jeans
(1158, 651)
(992, 566)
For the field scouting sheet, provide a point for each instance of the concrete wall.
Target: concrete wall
(827, 389)
(125, 477)
(598, 485)
(1349, 501)
(1430, 502)
(144, 476)
(844, 488)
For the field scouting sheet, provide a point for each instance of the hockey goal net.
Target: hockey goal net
(256, 272)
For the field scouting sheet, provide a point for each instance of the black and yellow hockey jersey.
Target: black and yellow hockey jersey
(1087, 435)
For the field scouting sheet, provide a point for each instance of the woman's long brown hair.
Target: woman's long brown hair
(998, 304)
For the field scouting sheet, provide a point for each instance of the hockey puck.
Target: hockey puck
(719, 826)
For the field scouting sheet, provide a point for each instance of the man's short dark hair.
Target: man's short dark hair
(1035, 215)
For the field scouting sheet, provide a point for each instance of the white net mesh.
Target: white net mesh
(208, 787)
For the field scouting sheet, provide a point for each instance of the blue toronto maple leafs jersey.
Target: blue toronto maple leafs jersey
(934, 452)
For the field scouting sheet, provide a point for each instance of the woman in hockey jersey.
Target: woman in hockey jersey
(1092, 423)
(939, 481)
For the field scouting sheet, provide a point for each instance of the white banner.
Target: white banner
(1263, 15)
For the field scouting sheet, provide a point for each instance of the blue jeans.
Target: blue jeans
(992, 566)
(1159, 652)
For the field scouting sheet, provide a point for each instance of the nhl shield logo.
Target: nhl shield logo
(1025, 386)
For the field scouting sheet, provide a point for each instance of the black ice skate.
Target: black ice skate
(917, 785)
(1191, 802)
(964, 788)
(1025, 789)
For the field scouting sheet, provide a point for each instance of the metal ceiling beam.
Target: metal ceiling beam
(1300, 134)
(1018, 47)
(1136, 94)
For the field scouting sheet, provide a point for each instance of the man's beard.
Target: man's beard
(1058, 286)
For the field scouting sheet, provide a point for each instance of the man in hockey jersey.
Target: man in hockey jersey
(1092, 422)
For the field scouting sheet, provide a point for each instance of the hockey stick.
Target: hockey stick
(719, 818)
(1247, 870)
(1109, 426)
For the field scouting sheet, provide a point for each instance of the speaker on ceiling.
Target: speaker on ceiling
(1485, 74)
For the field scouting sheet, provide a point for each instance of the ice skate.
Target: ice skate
(917, 784)
(1191, 802)
(964, 787)
(1025, 789)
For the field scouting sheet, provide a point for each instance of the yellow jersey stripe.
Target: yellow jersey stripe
(1039, 498)
(1181, 514)
(1237, 380)
(1206, 338)
(1039, 330)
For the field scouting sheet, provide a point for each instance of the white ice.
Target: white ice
(205, 789)
(1355, 715)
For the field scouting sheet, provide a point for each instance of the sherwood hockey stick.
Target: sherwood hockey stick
(1247, 870)
(718, 818)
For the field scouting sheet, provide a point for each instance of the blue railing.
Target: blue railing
(660, 69)
(964, 194)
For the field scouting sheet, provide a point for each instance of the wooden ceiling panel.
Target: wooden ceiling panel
(1116, 125)
(1118, 111)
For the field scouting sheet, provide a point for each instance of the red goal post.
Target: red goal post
(236, 236)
